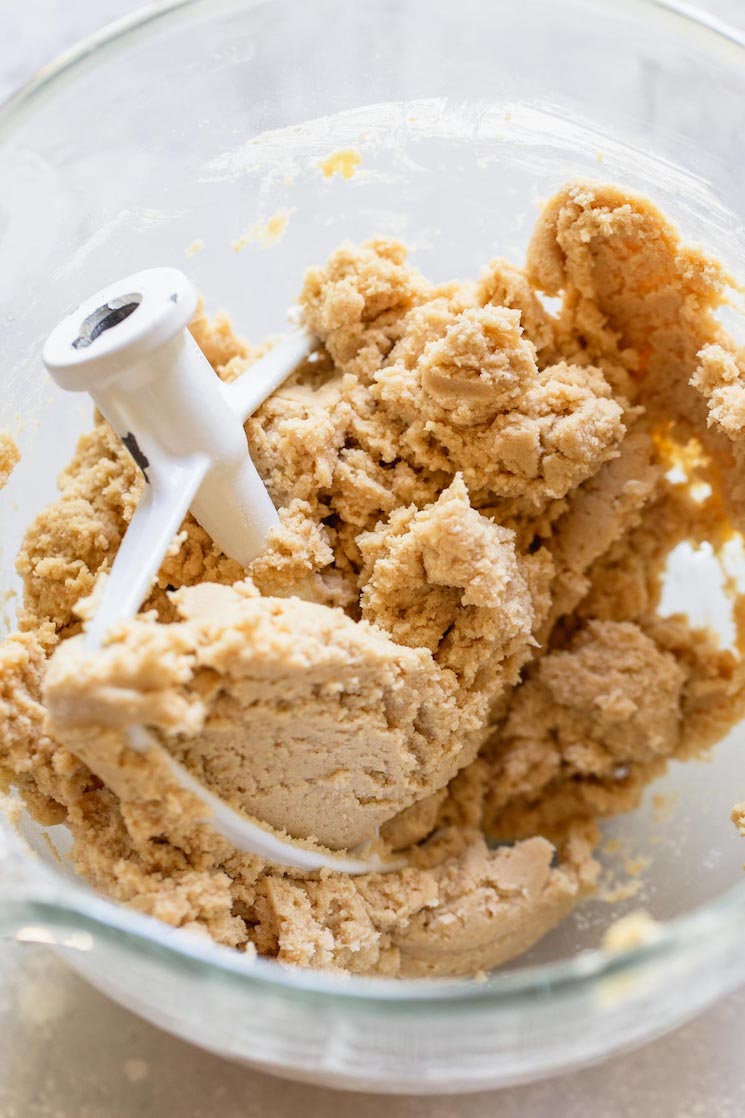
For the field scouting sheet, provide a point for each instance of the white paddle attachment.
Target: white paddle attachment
(130, 349)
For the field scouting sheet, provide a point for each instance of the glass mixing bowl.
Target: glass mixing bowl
(199, 122)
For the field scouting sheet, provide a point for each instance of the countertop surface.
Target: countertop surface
(67, 1052)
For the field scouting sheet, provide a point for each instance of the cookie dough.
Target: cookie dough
(451, 645)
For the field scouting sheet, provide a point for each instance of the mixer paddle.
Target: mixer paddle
(129, 347)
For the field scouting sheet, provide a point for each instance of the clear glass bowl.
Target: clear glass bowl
(202, 120)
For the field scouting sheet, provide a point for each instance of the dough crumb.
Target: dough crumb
(265, 233)
(136, 1070)
(637, 929)
(343, 162)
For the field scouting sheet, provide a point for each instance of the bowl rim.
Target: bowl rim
(48, 908)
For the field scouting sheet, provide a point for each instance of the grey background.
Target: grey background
(66, 1052)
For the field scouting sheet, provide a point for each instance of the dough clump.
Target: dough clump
(452, 644)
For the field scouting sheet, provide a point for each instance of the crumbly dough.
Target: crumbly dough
(450, 646)
(10, 456)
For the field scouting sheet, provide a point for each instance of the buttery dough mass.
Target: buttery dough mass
(450, 647)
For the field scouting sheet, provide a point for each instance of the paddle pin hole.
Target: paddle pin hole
(103, 318)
